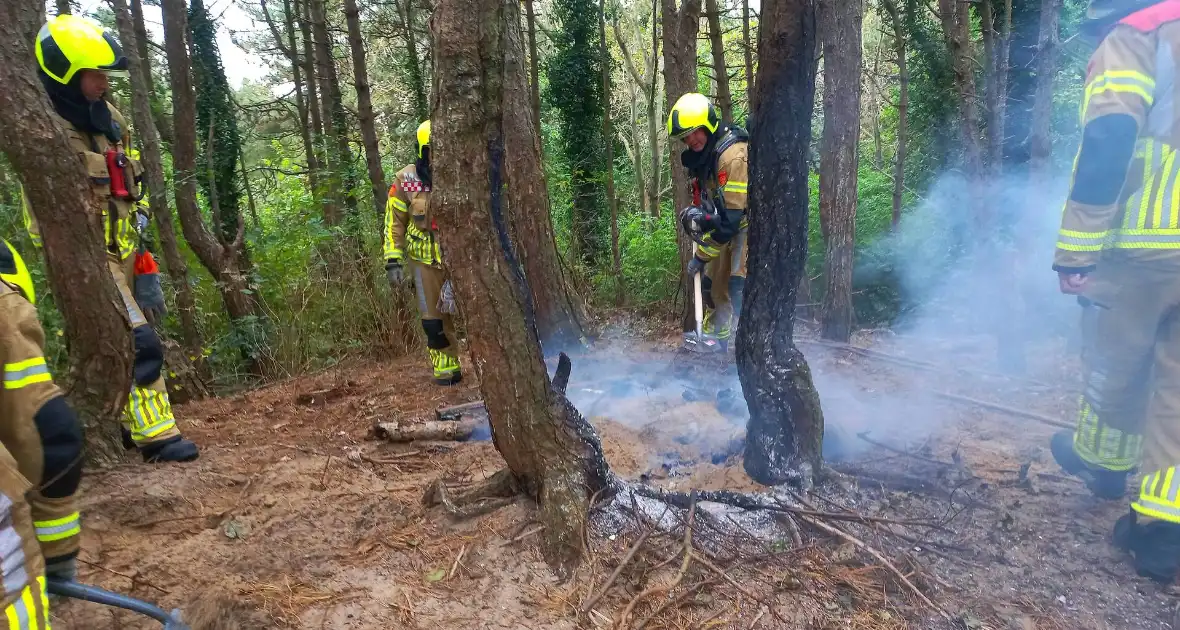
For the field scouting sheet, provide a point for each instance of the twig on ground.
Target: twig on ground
(458, 559)
(161, 521)
(324, 475)
(688, 556)
(618, 570)
(134, 580)
(864, 435)
(392, 459)
(668, 603)
(761, 614)
(522, 536)
(734, 583)
(1019, 413)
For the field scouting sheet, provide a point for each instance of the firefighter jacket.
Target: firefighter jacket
(1124, 198)
(409, 228)
(39, 428)
(119, 228)
(723, 182)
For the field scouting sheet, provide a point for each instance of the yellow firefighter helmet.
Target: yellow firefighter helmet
(14, 273)
(693, 111)
(69, 43)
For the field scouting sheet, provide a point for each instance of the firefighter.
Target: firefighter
(75, 57)
(411, 238)
(40, 457)
(1118, 250)
(716, 156)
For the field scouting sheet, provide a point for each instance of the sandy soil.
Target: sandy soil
(295, 518)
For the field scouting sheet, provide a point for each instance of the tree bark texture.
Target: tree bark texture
(785, 431)
(328, 208)
(956, 25)
(364, 105)
(680, 77)
(414, 64)
(608, 138)
(534, 63)
(61, 199)
(1040, 137)
(749, 53)
(997, 31)
(720, 68)
(903, 106)
(157, 185)
(559, 313)
(839, 155)
(655, 183)
(342, 177)
(547, 445)
(221, 259)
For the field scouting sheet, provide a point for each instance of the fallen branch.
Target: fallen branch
(455, 412)
(688, 556)
(668, 603)
(431, 430)
(134, 580)
(864, 435)
(1019, 413)
(618, 570)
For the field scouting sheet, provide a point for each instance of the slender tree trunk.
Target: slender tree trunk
(157, 186)
(608, 138)
(1041, 140)
(903, 104)
(534, 72)
(329, 209)
(996, 50)
(637, 80)
(61, 199)
(364, 102)
(342, 178)
(291, 51)
(956, 24)
(653, 119)
(720, 69)
(680, 77)
(549, 448)
(749, 51)
(878, 148)
(839, 160)
(413, 64)
(785, 432)
(64, 7)
(141, 43)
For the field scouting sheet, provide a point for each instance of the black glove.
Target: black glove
(150, 296)
(395, 271)
(62, 568)
(695, 266)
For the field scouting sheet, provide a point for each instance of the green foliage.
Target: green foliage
(574, 90)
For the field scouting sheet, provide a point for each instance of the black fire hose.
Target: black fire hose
(85, 592)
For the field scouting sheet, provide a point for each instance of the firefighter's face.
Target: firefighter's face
(94, 84)
(696, 140)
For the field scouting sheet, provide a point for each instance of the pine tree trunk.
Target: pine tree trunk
(608, 139)
(720, 69)
(839, 155)
(653, 119)
(680, 77)
(1041, 139)
(328, 208)
(157, 186)
(60, 197)
(549, 448)
(413, 65)
(558, 312)
(342, 178)
(749, 53)
(634, 86)
(903, 105)
(785, 431)
(364, 103)
(163, 120)
(534, 63)
(956, 24)
(290, 49)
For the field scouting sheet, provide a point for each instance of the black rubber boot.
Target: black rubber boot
(1155, 546)
(128, 443)
(453, 378)
(175, 449)
(1104, 484)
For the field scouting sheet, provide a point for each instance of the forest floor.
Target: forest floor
(296, 517)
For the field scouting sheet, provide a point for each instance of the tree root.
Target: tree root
(500, 490)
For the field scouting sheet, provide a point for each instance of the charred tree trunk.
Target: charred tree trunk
(749, 52)
(157, 186)
(608, 138)
(220, 259)
(364, 105)
(785, 431)
(414, 65)
(549, 448)
(1040, 138)
(680, 77)
(839, 160)
(558, 312)
(61, 199)
(956, 26)
(720, 69)
(903, 106)
(534, 63)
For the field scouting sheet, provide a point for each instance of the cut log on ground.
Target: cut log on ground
(431, 430)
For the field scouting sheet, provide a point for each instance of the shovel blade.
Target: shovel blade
(702, 344)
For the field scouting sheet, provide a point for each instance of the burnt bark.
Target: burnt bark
(157, 186)
(903, 106)
(550, 449)
(680, 77)
(608, 138)
(364, 105)
(785, 431)
(534, 63)
(220, 258)
(839, 155)
(720, 69)
(558, 312)
(61, 199)
(1040, 137)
